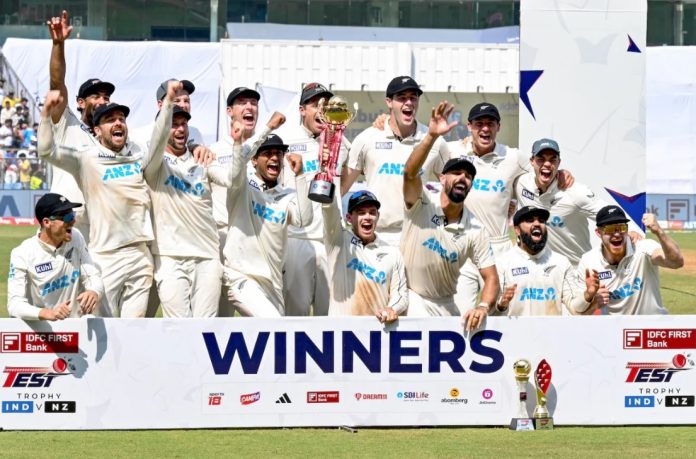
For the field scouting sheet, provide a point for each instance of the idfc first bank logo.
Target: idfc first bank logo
(658, 372)
(34, 377)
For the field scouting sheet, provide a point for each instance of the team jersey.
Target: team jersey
(112, 183)
(567, 226)
(547, 284)
(493, 186)
(42, 276)
(258, 222)
(69, 131)
(434, 250)
(364, 278)
(381, 156)
(302, 142)
(634, 283)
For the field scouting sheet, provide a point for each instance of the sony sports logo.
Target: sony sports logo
(35, 376)
(657, 372)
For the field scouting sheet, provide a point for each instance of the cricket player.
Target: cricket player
(381, 154)
(69, 129)
(306, 276)
(436, 240)
(367, 275)
(260, 210)
(110, 176)
(52, 275)
(628, 272)
(537, 281)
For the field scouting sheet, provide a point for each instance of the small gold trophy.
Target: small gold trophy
(336, 116)
(542, 380)
(521, 421)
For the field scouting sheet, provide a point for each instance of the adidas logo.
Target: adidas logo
(284, 399)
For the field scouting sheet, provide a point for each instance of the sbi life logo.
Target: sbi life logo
(494, 186)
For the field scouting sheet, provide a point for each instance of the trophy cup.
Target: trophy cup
(336, 116)
(522, 421)
(542, 379)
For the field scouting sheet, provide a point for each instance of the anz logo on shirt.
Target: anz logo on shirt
(538, 294)
(122, 171)
(434, 245)
(182, 185)
(497, 186)
(627, 290)
(393, 169)
(266, 213)
(311, 166)
(60, 283)
(556, 222)
(379, 277)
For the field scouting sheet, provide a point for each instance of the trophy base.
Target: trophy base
(543, 424)
(521, 424)
(321, 191)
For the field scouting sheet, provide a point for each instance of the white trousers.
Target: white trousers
(420, 306)
(253, 297)
(127, 276)
(306, 278)
(188, 287)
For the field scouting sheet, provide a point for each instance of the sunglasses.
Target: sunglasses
(541, 161)
(615, 228)
(67, 218)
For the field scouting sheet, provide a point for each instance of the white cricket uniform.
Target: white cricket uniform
(489, 201)
(257, 238)
(567, 226)
(71, 132)
(42, 276)
(364, 278)
(115, 190)
(434, 251)
(306, 269)
(634, 283)
(142, 135)
(381, 156)
(547, 284)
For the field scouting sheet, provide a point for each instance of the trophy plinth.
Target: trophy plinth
(522, 421)
(321, 191)
(542, 379)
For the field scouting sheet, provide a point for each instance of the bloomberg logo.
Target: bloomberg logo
(445, 349)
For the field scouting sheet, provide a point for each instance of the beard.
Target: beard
(456, 197)
(535, 247)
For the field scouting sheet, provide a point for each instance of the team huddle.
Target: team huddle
(149, 217)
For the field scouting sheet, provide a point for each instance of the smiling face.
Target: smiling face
(88, 104)
(531, 234)
(178, 135)
(58, 228)
(112, 130)
(614, 238)
(483, 131)
(309, 113)
(245, 109)
(268, 164)
(364, 220)
(545, 165)
(456, 184)
(403, 108)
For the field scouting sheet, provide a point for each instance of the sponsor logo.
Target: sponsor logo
(527, 194)
(125, 170)
(538, 294)
(39, 342)
(35, 376)
(311, 166)
(681, 338)
(657, 372)
(60, 283)
(362, 396)
(556, 222)
(248, 399)
(639, 401)
(497, 186)
(434, 245)
(604, 275)
(370, 273)
(44, 267)
(437, 220)
(284, 398)
(267, 213)
(487, 395)
(298, 147)
(627, 289)
(215, 398)
(60, 407)
(17, 407)
(413, 396)
(520, 271)
(679, 401)
(331, 396)
(196, 189)
(383, 146)
(454, 398)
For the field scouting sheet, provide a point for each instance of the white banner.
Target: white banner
(158, 373)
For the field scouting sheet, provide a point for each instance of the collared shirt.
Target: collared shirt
(634, 283)
(42, 276)
(381, 156)
(547, 284)
(434, 250)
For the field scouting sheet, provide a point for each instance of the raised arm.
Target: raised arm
(300, 210)
(65, 158)
(154, 155)
(669, 255)
(438, 125)
(59, 30)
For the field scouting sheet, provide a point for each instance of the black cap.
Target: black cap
(455, 164)
(162, 90)
(529, 211)
(52, 204)
(610, 214)
(180, 111)
(311, 90)
(362, 197)
(271, 142)
(93, 86)
(545, 144)
(102, 110)
(401, 84)
(484, 109)
(236, 92)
